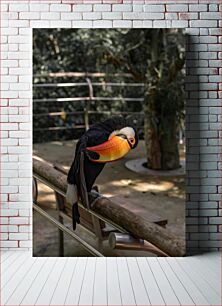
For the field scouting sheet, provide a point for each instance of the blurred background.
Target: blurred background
(82, 76)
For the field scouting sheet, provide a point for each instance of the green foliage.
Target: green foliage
(110, 51)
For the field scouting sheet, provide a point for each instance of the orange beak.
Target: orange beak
(111, 150)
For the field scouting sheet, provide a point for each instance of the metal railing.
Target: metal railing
(86, 112)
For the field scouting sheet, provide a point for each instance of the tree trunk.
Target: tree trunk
(161, 139)
(160, 123)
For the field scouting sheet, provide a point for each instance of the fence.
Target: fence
(91, 81)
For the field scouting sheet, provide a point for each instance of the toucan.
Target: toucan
(103, 142)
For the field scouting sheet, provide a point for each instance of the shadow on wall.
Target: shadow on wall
(195, 224)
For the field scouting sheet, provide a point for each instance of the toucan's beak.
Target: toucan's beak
(111, 150)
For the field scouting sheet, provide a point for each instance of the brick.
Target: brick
(197, 7)
(25, 157)
(212, 94)
(214, 197)
(60, 8)
(208, 39)
(213, 7)
(18, 23)
(9, 173)
(19, 134)
(177, 8)
(207, 15)
(4, 220)
(93, 15)
(137, 8)
(24, 31)
(122, 23)
(214, 47)
(24, 229)
(215, 236)
(9, 212)
(51, 16)
(18, 55)
(60, 24)
(203, 23)
(18, 7)
(204, 31)
(19, 220)
(26, 46)
(13, 158)
(19, 102)
(133, 15)
(9, 63)
(25, 244)
(82, 24)
(188, 16)
(9, 244)
(39, 7)
(112, 15)
(199, 236)
(210, 244)
(9, 126)
(215, 31)
(9, 31)
(18, 149)
(9, 142)
(171, 16)
(137, 24)
(19, 118)
(82, 8)
(207, 55)
(29, 15)
(71, 16)
(19, 71)
(208, 166)
(162, 24)
(24, 212)
(102, 24)
(102, 7)
(154, 8)
(13, 47)
(39, 24)
(4, 7)
(211, 228)
(148, 23)
(8, 228)
(215, 63)
(18, 236)
(121, 7)
(208, 212)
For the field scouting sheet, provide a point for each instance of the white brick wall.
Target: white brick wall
(201, 20)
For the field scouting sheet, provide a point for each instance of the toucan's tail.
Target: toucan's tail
(75, 215)
(72, 198)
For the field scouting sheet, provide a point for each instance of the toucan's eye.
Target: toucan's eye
(132, 141)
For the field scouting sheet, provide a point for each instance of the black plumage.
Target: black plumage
(84, 178)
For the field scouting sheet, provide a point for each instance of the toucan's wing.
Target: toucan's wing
(73, 173)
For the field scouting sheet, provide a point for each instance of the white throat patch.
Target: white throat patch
(128, 131)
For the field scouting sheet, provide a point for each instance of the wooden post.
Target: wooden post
(134, 224)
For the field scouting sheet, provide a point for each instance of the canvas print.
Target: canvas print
(108, 142)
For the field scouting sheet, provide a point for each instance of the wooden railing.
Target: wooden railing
(131, 231)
